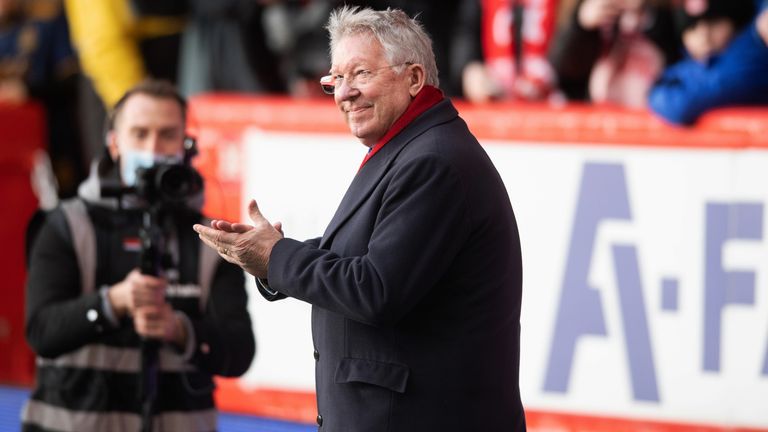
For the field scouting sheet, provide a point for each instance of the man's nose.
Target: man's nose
(154, 142)
(344, 91)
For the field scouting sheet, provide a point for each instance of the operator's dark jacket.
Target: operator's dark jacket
(416, 289)
(88, 369)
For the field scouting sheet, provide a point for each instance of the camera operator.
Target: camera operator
(93, 308)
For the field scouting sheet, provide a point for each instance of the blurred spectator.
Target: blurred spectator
(38, 63)
(119, 43)
(295, 30)
(454, 26)
(726, 63)
(224, 47)
(515, 38)
(612, 51)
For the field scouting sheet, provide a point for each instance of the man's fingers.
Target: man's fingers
(213, 233)
(148, 311)
(153, 297)
(254, 212)
(215, 238)
(222, 248)
(279, 227)
(231, 227)
(221, 225)
(213, 245)
(155, 321)
(203, 231)
(241, 228)
(210, 243)
(230, 259)
(152, 282)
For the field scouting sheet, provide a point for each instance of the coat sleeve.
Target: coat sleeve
(59, 318)
(266, 291)
(224, 340)
(420, 227)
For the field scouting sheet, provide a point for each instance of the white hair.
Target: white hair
(403, 38)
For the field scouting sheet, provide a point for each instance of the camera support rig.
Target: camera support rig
(152, 251)
(160, 189)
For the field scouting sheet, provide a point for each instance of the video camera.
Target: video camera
(167, 184)
(164, 185)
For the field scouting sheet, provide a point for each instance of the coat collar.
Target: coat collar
(373, 171)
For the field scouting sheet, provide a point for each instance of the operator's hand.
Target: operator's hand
(134, 291)
(247, 246)
(159, 322)
(594, 14)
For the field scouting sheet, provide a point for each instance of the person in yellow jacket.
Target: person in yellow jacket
(121, 42)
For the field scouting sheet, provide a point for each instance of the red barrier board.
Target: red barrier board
(22, 129)
(220, 121)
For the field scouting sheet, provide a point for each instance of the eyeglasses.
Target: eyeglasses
(359, 77)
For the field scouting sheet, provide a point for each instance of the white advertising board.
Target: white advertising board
(645, 272)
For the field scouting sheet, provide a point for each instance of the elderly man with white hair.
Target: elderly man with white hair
(416, 283)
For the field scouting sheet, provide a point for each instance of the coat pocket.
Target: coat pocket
(391, 376)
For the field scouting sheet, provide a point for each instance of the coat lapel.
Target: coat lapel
(372, 172)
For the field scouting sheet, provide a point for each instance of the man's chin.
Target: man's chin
(365, 140)
(358, 131)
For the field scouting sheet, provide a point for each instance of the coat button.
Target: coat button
(319, 420)
(92, 315)
(317, 355)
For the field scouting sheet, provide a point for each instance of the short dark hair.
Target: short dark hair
(739, 12)
(157, 88)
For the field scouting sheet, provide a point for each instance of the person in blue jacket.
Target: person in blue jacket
(726, 62)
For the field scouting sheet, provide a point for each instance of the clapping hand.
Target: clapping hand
(248, 246)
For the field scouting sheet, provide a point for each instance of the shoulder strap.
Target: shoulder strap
(83, 240)
(33, 228)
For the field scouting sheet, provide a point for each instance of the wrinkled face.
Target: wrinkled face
(708, 37)
(148, 124)
(371, 108)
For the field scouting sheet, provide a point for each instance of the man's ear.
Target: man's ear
(417, 77)
(111, 141)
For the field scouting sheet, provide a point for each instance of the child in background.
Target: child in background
(726, 63)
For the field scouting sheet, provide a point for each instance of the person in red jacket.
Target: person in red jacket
(515, 38)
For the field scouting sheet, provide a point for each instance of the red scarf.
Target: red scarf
(428, 97)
